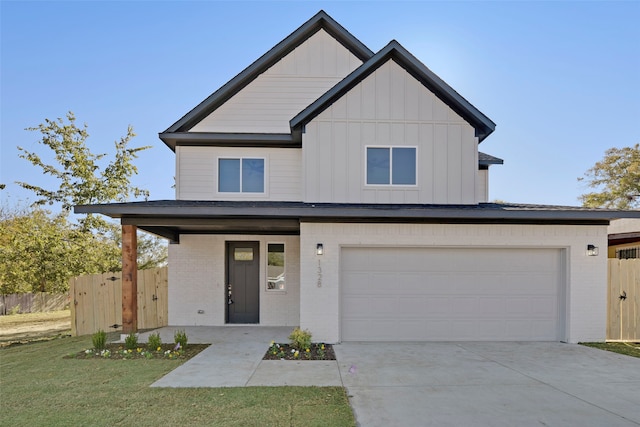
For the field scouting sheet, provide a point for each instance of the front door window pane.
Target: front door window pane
(243, 254)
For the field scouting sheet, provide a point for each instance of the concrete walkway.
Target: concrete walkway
(432, 384)
(234, 359)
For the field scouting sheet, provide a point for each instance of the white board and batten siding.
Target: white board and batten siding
(390, 108)
(482, 186)
(197, 172)
(268, 103)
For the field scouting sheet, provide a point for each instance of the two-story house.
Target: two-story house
(342, 190)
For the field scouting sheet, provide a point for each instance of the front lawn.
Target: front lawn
(42, 387)
(630, 349)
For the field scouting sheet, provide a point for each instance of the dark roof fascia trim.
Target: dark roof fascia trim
(303, 211)
(319, 21)
(214, 139)
(394, 50)
(243, 232)
(479, 221)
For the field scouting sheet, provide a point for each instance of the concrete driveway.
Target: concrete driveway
(489, 384)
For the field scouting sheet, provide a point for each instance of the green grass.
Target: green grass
(629, 349)
(40, 387)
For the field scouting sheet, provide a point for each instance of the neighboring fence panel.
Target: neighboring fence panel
(97, 301)
(33, 303)
(623, 310)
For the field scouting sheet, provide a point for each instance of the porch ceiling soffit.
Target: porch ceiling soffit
(171, 227)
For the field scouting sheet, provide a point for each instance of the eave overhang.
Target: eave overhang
(624, 238)
(171, 218)
(487, 160)
(211, 139)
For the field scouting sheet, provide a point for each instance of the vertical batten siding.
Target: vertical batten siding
(273, 98)
(197, 281)
(482, 186)
(585, 290)
(390, 108)
(198, 168)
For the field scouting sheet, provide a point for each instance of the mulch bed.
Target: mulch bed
(286, 352)
(117, 351)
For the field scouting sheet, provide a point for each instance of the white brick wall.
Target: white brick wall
(197, 281)
(586, 277)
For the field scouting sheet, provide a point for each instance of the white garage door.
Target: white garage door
(451, 294)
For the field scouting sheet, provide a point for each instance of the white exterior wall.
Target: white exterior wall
(197, 281)
(276, 96)
(197, 173)
(586, 283)
(390, 108)
(482, 186)
(624, 225)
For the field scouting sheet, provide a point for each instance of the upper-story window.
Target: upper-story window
(391, 165)
(240, 175)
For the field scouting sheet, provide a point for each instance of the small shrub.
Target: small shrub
(180, 337)
(131, 341)
(14, 310)
(99, 340)
(154, 341)
(300, 340)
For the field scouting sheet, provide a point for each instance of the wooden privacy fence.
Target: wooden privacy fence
(96, 301)
(33, 303)
(623, 309)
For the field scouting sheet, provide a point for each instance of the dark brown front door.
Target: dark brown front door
(243, 282)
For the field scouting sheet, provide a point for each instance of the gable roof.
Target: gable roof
(396, 52)
(320, 20)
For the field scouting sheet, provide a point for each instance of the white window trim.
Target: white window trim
(266, 263)
(240, 194)
(390, 147)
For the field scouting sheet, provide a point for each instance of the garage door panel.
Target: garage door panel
(489, 306)
(408, 294)
(438, 307)
(371, 307)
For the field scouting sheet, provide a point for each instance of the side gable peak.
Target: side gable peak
(320, 20)
(396, 52)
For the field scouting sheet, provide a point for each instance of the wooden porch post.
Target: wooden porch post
(129, 279)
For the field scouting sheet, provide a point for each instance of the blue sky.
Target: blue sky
(560, 79)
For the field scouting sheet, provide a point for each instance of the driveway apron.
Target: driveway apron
(489, 384)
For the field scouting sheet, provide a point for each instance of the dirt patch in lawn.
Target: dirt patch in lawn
(31, 327)
(286, 352)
